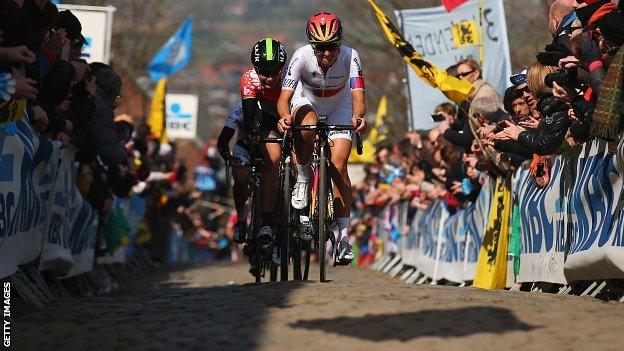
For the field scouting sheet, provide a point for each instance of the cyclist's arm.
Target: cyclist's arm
(283, 104)
(356, 83)
(223, 143)
(359, 103)
(289, 84)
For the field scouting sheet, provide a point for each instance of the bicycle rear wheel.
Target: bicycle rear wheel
(256, 217)
(306, 267)
(296, 258)
(257, 252)
(272, 272)
(322, 212)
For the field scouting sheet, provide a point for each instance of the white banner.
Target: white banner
(97, 28)
(27, 169)
(56, 254)
(444, 246)
(542, 227)
(596, 201)
(83, 233)
(181, 116)
(429, 32)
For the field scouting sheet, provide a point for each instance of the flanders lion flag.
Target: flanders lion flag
(492, 263)
(156, 119)
(454, 89)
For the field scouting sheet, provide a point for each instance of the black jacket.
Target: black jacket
(548, 136)
(460, 134)
(102, 133)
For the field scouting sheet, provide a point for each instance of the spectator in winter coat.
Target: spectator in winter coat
(102, 128)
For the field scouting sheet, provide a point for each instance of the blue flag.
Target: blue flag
(174, 55)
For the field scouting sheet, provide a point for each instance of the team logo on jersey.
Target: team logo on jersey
(359, 65)
(292, 64)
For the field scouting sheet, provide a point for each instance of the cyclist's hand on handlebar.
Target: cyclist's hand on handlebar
(359, 124)
(284, 123)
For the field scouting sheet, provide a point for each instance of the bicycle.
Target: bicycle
(260, 253)
(321, 208)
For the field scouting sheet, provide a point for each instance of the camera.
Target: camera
(566, 78)
(500, 126)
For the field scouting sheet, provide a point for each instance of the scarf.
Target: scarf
(607, 119)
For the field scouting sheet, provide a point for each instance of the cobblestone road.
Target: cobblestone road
(215, 308)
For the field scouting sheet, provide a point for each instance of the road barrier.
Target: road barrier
(45, 223)
(571, 230)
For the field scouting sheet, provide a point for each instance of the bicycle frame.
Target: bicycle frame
(321, 206)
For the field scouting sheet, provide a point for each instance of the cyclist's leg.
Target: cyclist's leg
(343, 197)
(240, 173)
(304, 140)
(340, 148)
(303, 114)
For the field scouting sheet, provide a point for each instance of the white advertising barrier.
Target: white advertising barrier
(56, 254)
(429, 229)
(444, 246)
(542, 228)
(429, 32)
(27, 169)
(475, 220)
(97, 28)
(181, 116)
(82, 235)
(596, 216)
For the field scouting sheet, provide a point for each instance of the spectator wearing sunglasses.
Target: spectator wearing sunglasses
(470, 70)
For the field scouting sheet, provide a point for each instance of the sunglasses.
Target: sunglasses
(321, 48)
(463, 74)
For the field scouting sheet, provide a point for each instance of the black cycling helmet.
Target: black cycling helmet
(268, 56)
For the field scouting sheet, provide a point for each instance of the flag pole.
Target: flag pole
(481, 34)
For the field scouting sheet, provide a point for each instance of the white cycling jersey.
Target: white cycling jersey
(326, 92)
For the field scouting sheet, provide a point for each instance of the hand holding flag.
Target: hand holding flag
(454, 89)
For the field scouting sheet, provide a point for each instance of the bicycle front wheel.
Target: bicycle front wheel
(284, 225)
(322, 213)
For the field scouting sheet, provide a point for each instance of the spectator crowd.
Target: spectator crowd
(48, 92)
(571, 94)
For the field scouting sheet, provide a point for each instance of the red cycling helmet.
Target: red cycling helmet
(324, 27)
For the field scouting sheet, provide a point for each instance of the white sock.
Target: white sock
(304, 219)
(303, 173)
(343, 229)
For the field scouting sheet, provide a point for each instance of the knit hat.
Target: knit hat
(109, 81)
(612, 27)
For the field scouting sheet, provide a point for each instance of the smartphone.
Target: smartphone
(437, 117)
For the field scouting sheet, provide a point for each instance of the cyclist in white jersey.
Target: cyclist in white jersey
(331, 85)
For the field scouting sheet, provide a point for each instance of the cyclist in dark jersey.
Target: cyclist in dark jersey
(256, 114)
